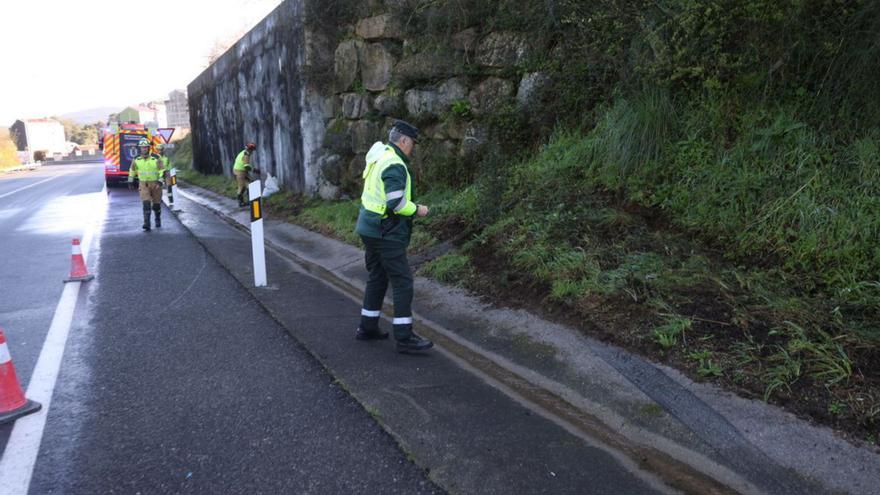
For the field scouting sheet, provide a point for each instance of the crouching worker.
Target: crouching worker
(242, 169)
(148, 169)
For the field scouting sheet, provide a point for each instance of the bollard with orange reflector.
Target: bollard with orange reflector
(172, 189)
(255, 193)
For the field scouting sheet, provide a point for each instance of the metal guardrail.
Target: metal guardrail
(75, 159)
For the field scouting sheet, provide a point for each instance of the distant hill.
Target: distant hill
(90, 115)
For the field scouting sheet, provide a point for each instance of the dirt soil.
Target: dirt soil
(630, 324)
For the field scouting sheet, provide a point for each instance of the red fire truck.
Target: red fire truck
(120, 147)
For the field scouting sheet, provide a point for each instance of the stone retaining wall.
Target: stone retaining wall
(315, 97)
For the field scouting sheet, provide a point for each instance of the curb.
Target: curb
(28, 167)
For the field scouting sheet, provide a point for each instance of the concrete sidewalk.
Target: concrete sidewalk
(650, 418)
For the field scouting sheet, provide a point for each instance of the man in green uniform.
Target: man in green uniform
(241, 169)
(148, 169)
(385, 225)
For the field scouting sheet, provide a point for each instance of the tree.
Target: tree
(69, 127)
(222, 45)
(81, 134)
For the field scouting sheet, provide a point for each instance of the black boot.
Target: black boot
(414, 343)
(157, 209)
(370, 334)
(241, 199)
(146, 225)
(369, 329)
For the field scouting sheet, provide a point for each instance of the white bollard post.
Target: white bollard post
(255, 194)
(172, 188)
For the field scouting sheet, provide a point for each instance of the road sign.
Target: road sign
(165, 133)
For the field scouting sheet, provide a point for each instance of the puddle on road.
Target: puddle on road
(9, 212)
(64, 214)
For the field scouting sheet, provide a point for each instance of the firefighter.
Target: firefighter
(164, 176)
(242, 169)
(148, 169)
(385, 226)
(160, 154)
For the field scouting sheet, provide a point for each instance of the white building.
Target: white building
(151, 114)
(178, 109)
(32, 135)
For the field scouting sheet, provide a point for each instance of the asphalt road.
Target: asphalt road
(173, 379)
(40, 212)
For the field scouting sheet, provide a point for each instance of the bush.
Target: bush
(8, 150)
(182, 154)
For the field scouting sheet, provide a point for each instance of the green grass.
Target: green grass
(784, 369)
(707, 363)
(333, 218)
(450, 268)
(780, 192)
(673, 330)
(220, 184)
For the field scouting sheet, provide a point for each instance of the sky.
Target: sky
(61, 56)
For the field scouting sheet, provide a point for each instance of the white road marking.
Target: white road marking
(31, 185)
(20, 456)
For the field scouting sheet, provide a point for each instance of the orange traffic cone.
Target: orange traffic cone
(78, 271)
(13, 404)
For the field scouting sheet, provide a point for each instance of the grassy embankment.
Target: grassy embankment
(707, 195)
(8, 154)
(752, 261)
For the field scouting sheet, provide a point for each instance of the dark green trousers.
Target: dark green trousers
(386, 262)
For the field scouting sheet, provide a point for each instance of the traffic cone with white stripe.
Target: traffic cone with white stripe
(78, 271)
(13, 403)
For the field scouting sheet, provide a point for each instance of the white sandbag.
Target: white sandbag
(271, 186)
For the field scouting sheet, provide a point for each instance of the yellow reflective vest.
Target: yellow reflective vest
(387, 208)
(145, 169)
(240, 165)
(375, 198)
